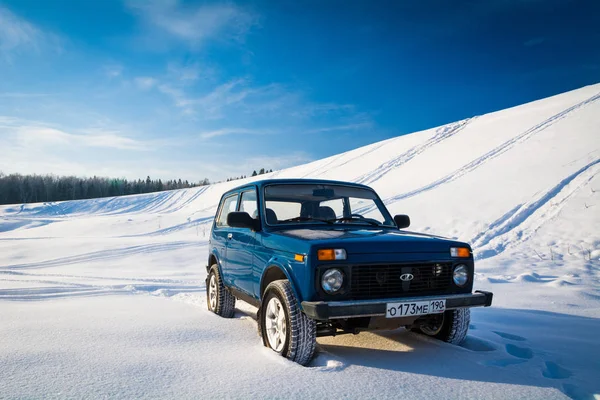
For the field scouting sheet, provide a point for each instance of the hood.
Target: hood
(366, 241)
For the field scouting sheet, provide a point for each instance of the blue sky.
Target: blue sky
(184, 89)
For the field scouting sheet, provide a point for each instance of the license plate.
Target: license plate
(409, 309)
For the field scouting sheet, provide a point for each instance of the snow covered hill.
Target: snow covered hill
(522, 185)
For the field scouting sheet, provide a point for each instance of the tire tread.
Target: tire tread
(225, 300)
(303, 330)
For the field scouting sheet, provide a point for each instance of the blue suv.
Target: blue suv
(322, 258)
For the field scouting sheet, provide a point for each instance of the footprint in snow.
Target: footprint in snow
(575, 392)
(475, 344)
(502, 363)
(519, 352)
(510, 336)
(554, 371)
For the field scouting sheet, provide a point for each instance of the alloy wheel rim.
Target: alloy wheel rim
(275, 324)
(212, 292)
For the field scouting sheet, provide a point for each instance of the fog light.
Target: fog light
(460, 275)
(332, 280)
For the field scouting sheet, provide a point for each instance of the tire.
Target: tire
(280, 315)
(452, 327)
(223, 302)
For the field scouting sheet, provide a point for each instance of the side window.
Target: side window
(368, 209)
(249, 204)
(229, 205)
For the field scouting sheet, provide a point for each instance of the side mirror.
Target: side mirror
(241, 219)
(402, 221)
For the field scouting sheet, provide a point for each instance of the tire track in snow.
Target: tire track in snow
(52, 292)
(152, 203)
(191, 223)
(534, 214)
(188, 201)
(373, 148)
(107, 254)
(108, 278)
(333, 159)
(478, 162)
(441, 133)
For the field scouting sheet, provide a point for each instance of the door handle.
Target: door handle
(229, 236)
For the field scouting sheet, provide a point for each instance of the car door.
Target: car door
(240, 246)
(222, 233)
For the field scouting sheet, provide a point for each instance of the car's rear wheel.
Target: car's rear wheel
(218, 299)
(284, 327)
(451, 326)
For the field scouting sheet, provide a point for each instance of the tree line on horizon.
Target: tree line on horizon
(254, 173)
(17, 188)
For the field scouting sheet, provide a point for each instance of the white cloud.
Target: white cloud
(232, 131)
(19, 35)
(312, 110)
(29, 134)
(339, 128)
(32, 147)
(276, 162)
(145, 82)
(195, 24)
(18, 95)
(212, 104)
(227, 94)
(46, 137)
(113, 70)
(188, 72)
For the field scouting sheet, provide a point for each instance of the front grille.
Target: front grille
(383, 281)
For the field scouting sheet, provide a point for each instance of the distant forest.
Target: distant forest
(16, 188)
(262, 171)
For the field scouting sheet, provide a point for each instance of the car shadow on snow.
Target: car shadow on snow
(509, 346)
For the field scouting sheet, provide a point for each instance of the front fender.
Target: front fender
(217, 256)
(284, 266)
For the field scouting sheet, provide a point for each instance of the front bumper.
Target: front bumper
(323, 310)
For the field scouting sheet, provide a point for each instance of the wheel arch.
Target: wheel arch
(213, 258)
(273, 272)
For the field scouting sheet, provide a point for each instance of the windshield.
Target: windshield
(324, 204)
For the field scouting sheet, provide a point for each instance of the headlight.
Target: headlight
(332, 280)
(460, 275)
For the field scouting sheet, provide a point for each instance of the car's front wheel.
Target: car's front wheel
(218, 299)
(451, 326)
(284, 327)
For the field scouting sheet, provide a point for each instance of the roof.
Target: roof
(264, 182)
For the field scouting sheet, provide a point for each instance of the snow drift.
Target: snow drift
(520, 184)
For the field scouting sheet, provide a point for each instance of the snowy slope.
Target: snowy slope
(521, 185)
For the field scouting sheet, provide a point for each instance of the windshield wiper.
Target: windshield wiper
(295, 219)
(356, 219)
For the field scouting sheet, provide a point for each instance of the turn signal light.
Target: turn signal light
(331, 254)
(462, 252)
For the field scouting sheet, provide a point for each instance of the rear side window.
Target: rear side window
(229, 204)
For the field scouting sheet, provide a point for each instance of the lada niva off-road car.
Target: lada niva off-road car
(324, 258)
